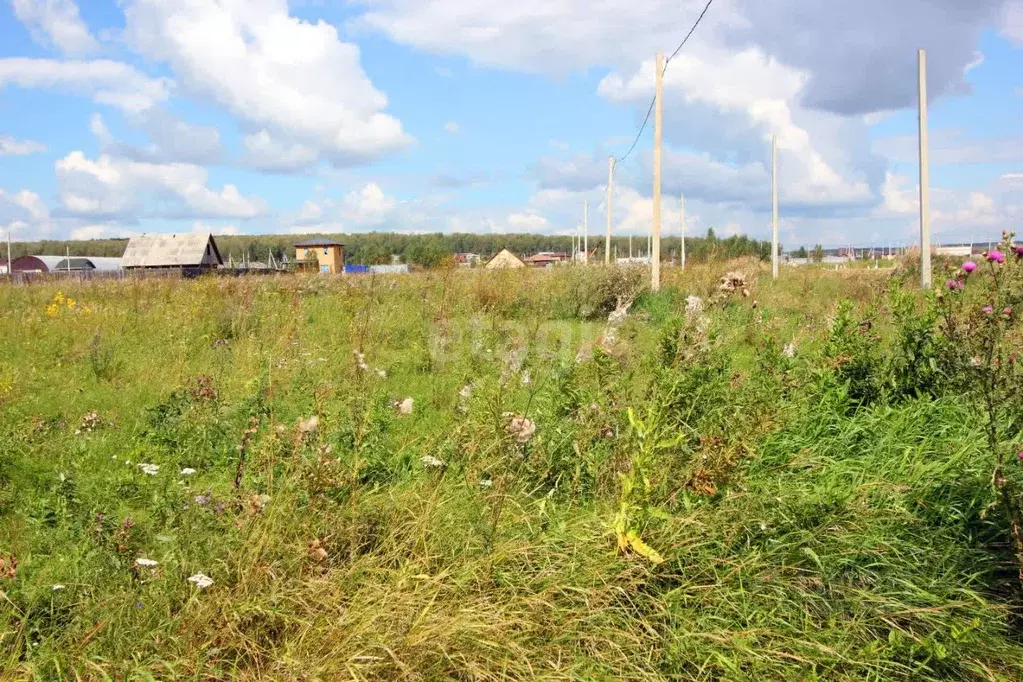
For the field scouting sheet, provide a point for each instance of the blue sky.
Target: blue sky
(264, 116)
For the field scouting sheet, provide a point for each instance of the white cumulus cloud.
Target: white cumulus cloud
(12, 147)
(122, 188)
(56, 22)
(296, 80)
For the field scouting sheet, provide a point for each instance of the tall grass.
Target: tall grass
(801, 534)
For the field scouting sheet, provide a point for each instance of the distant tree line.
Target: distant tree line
(427, 250)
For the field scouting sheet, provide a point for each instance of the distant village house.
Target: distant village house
(189, 253)
(547, 258)
(325, 255)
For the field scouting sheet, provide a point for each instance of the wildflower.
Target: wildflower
(525, 378)
(57, 588)
(1019, 252)
(404, 407)
(988, 310)
(975, 362)
(146, 563)
(201, 580)
(1019, 456)
(522, 429)
(381, 373)
(203, 500)
(789, 350)
(150, 469)
(488, 482)
(1007, 312)
(187, 471)
(954, 285)
(969, 266)
(431, 462)
(360, 361)
(694, 306)
(309, 425)
(316, 550)
(996, 256)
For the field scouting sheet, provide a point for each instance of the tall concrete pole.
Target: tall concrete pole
(925, 178)
(586, 231)
(610, 184)
(774, 199)
(682, 205)
(655, 255)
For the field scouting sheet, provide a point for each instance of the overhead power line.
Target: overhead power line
(646, 119)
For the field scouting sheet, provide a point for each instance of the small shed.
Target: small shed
(36, 264)
(193, 252)
(322, 253)
(505, 259)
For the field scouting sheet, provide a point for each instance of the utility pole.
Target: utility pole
(67, 258)
(586, 231)
(925, 190)
(682, 205)
(655, 256)
(610, 183)
(774, 198)
(10, 263)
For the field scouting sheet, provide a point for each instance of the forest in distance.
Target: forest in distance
(427, 250)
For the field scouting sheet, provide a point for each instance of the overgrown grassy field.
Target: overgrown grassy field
(764, 487)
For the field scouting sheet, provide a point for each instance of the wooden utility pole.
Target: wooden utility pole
(610, 183)
(925, 179)
(655, 255)
(10, 263)
(586, 231)
(774, 199)
(682, 205)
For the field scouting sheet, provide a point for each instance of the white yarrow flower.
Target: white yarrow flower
(187, 471)
(431, 462)
(522, 429)
(381, 373)
(694, 306)
(404, 407)
(201, 580)
(146, 563)
(150, 469)
(57, 588)
(525, 378)
(789, 351)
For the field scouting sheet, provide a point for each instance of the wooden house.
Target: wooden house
(323, 254)
(189, 253)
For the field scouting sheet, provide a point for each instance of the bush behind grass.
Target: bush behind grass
(804, 532)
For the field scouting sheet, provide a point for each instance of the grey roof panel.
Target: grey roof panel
(168, 250)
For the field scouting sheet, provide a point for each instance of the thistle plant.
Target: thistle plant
(980, 317)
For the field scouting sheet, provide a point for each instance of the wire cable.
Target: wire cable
(646, 119)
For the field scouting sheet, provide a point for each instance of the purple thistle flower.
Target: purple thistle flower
(969, 266)
(954, 284)
(1019, 252)
(987, 310)
(996, 256)
(1007, 311)
(1020, 456)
